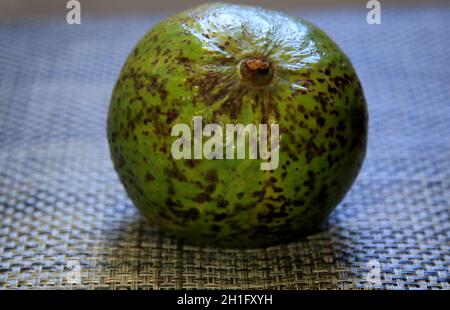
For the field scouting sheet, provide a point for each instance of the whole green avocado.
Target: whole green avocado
(233, 64)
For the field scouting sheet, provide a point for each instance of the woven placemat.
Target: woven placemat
(66, 222)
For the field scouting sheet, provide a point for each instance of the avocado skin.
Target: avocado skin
(186, 66)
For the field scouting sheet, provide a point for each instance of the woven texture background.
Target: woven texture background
(64, 214)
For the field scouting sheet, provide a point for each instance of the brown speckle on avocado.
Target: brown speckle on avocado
(174, 173)
(201, 198)
(221, 203)
(342, 140)
(191, 214)
(149, 177)
(211, 176)
(218, 217)
(215, 228)
(320, 121)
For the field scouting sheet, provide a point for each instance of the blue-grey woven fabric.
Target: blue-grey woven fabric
(66, 222)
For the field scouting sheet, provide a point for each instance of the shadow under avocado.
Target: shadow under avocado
(161, 261)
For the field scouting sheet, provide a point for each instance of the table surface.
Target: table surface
(66, 222)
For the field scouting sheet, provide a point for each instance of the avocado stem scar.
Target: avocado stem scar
(256, 72)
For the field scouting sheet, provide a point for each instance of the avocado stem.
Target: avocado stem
(257, 72)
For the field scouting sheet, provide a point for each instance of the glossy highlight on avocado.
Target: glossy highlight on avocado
(234, 64)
